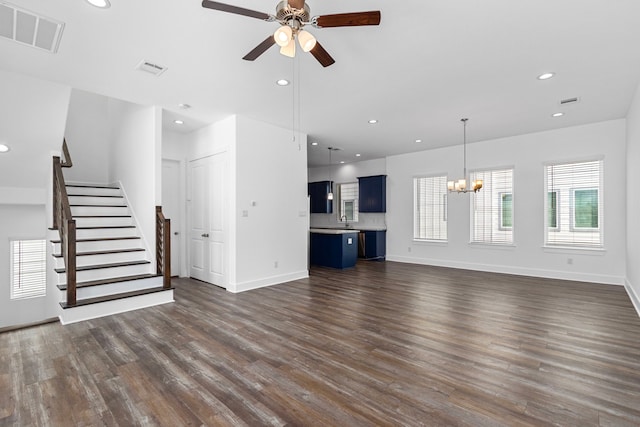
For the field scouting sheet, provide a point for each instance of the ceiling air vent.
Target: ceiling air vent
(29, 28)
(150, 67)
(569, 101)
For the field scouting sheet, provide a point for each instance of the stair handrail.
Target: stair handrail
(67, 163)
(65, 224)
(163, 248)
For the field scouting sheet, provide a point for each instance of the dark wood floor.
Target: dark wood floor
(381, 344)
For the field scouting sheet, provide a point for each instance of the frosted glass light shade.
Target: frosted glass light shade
(283, 35)
(306, 40)
(462, 184)
(330, 196)
(289, 50)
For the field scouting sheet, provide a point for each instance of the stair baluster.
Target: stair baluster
(163, 248)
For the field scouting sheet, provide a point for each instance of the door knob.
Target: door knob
(175, 233)
(205, 235)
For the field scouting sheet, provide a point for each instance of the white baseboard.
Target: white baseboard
(518, 271)
(635, 298)
(267, 281)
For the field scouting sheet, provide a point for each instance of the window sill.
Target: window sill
(430, 242)
(500, 246)
(573, 250)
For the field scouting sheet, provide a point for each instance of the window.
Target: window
(348, 197)
(506, 211)
(28, 268)
(430, 208)
(574, 204)
(552, 210)
(492, 213)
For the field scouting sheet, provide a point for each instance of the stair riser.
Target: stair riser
(102, 245)
(103, 222)
(93, 191)
(81, 261)
(105, 232)
(77, 200)
(107, 273)
(99, 210)
(113, 288)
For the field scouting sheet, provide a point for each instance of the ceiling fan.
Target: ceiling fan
(293, 15)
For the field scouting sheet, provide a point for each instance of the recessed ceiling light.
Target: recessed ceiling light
(558, 114)
(373, 121)
(282, 82)
(418, 141)
(178, 122)
(4, 148)
(357, 155)
(342, 162)
(184, 106)
(314, 143)
(546, 76)
(103, 4)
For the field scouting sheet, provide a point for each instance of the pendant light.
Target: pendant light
(460, 185)
(330, 195)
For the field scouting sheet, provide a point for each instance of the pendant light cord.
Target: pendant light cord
(464, 122)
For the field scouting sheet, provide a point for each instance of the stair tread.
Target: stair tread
(97, 227)
(96, 195)
(113, 187)
(101, 266)
(113, 297)
(100, 239)
(90, 283)
(107, 252)
(96, 206)
(101, 216)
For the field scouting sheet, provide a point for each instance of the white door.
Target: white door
(171, 208)
(207, 214)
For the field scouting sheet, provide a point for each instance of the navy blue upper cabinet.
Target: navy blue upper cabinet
(318, 192)
(372, 194)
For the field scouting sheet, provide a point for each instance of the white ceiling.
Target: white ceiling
(428, 64)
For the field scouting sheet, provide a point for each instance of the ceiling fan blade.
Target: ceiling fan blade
(260, 49)
(348, 19)
(322, 55)
(296, 4)
(235, 9)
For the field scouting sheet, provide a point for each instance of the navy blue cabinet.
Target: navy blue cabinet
(334, 250)
(375, 244)
(372, 193)
(318, 192)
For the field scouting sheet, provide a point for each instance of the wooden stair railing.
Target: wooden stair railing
(65, 224)
(163, 248)
(67, 163)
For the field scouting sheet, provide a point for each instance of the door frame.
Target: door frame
(181, 214)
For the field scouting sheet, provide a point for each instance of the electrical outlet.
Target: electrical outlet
(245, 213)
(275, 264)
(409, 249)
(569, 261)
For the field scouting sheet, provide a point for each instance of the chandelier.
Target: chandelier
(460, 185)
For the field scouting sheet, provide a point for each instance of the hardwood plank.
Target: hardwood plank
(381, 344)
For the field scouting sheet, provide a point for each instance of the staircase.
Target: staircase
(113, 271)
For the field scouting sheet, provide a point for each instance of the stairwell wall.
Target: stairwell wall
(135, 161)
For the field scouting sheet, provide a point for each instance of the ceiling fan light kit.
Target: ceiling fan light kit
(293, 15)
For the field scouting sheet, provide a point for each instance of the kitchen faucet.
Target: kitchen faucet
(346, 220)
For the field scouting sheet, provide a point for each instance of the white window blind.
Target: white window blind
(28, 268)
(573, 204)
(430, 208)
(492, 213)
(348, 196)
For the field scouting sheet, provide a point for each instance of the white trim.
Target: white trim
(268, 281)
(108, 308)
(518, 271)
(633, 296)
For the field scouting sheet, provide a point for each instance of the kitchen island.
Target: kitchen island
(330, 247)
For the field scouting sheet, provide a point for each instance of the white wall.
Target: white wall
(20, 222)
(88, 138)
(633, 201)
(135, 161)
(527, 154)
(271, 186)
(343, 174)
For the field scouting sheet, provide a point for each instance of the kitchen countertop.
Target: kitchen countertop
(333, 230)
(365, 228)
